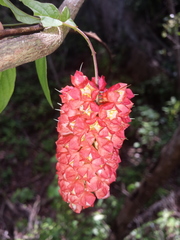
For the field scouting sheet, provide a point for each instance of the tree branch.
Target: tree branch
(23, 49)
(169, 159)
(171, 202)
(20, 30)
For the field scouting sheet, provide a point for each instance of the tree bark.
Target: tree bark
(19, 50)
(169, 159)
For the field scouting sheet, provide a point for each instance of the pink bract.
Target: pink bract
(91, 131)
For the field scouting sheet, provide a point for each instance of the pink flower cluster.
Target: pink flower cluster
(91, 132)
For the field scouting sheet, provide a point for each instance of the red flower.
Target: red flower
(91, 132)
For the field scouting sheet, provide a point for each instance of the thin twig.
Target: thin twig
(169, 202)
(20, 31)
(97, 38)
(34, 213)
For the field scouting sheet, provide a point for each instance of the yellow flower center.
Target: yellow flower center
(111, 114)
(87, 90)
(95, 126)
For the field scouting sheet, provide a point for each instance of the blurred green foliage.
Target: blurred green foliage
(154, 128)
(22, 195)
(166, 226)
(171, 25)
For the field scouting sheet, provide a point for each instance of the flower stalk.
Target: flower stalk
(75, 28)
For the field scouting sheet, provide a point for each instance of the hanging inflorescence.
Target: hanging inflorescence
(91, 131)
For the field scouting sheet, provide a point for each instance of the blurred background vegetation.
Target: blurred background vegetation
(143, 38)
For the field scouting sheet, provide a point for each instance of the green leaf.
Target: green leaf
(65, 14)
(2, 3)
(7, 83)
(19, 14)
(41, 68)
(50, 22)
(70, 22)
(42, 9)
